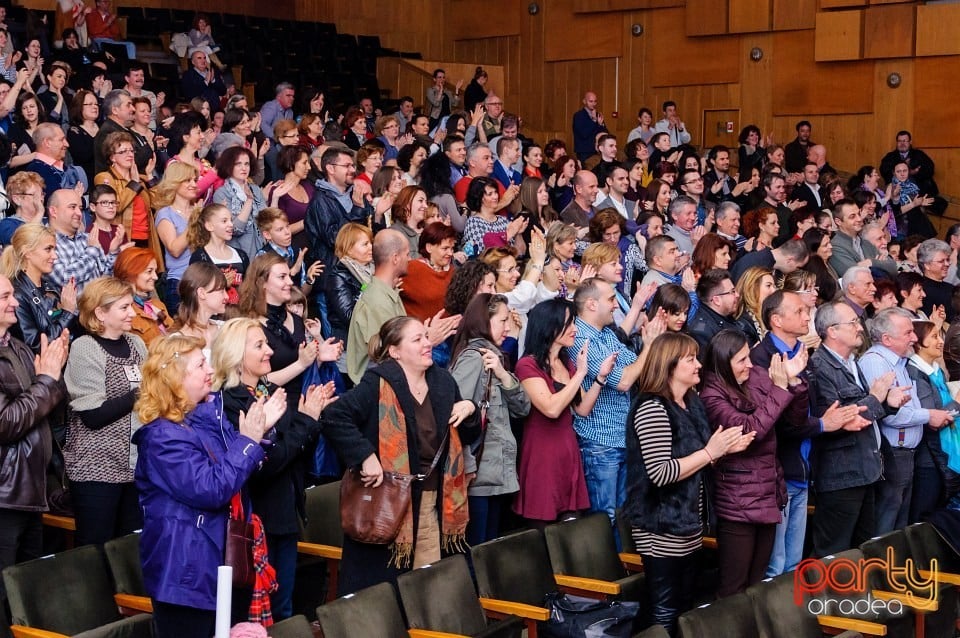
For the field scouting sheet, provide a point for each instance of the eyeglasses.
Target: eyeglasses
(106, 202)
(732, 291)
(693, 181)
(123, 151)
(514, 269)
(342, 165)
(291, 135)
(37, 194)
(845, 323)
(809, 291)
(494, 103)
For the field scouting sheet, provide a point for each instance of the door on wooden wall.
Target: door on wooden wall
(721, 127)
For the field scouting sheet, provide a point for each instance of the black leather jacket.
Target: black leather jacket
(342, 290)
(26, 399)
(38, 312)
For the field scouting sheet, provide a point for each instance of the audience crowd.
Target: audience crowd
(193, 294)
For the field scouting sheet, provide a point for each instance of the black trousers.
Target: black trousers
(104, 511)
(844, 519)
(670, 587)
(744, 551)
(21, 539)
(179, 621)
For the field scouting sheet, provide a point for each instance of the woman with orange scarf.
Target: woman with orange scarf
(420, 417)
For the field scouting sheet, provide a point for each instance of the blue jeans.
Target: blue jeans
(282, 554)
(172, 301)
(130, 46)
(605, 469)
(484, 524)
(788, 544)
(895, 491)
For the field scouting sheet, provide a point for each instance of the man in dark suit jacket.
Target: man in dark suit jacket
(808, 191)
(921, 166)
(204, 81)
(846, 464)
(795, 153)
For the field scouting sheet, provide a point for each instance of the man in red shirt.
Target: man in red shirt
(102, 28)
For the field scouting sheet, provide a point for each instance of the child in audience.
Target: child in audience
(275, 228)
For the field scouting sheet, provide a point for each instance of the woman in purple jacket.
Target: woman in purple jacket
(191, 462)
(749, 487)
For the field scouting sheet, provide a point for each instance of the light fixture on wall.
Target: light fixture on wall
(756, 54)
(894, 80)
(533, 8)
(636, 30)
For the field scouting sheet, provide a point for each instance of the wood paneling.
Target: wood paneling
(839, 35)
(888, 31)
(749, 16)
(802, 86)
(600, 6)
(938, 29)
(936, 118)
(790, 15)
(707, 17)
(678, 60)
(841, 4)
(590, 36)
(470, 20)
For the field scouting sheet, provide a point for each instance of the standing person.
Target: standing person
(552, 484)
(847, 465)
(349, 276)
(669, 447)
(241, 362)
(84, 116)
(587, 124)
(30, 389)
(103, 378)
(189, 467)
(750, 491)
(430, 421)
(478, 368)
(441, 101)
(893, 337)
(241, 197)
(209, 234)
(176, 195)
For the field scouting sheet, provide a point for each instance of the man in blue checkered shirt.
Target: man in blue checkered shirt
(79, 255)
(601, 434)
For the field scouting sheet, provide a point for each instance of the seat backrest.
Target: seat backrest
(878, 547)
(926, 544)
(68, 593)
(734, 614)
(373, 611)
(625, 532)
(323, 515)
(441, 597)
(123, 556)
(514, 568)
(293, 627)
(584, 547)
(776, 612)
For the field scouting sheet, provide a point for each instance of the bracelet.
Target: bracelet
(710, 456)
(599, 381)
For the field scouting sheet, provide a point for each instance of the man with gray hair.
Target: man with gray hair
(893, 337)
(846, 464)
(858, 293)
(279, 108)
(728, 223)
(933, 256)
(682, 212)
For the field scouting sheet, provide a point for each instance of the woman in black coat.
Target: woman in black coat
(434, 425)
(354, 268)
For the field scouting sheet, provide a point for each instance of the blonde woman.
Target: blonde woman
(176, 198)
(754, 285)
(44, 308)
(103, 377)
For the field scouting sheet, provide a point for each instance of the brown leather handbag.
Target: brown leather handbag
(374, 514)
(238, 549)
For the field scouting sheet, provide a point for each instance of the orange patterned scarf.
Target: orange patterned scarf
(395, 457)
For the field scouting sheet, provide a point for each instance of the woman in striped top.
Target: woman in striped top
(667, 499)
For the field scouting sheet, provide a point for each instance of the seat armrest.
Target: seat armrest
(913, 602)
(631, 562)
(587, 584)
(21, 631)
(426, 633)
(942, 577)
(131, 605)
(323, 551)
(709, 542)
(507, 607)
(865, 627)
(63, 522)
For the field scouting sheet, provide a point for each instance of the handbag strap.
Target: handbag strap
(436, 457)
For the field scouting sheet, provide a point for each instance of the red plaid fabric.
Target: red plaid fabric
(266, 582)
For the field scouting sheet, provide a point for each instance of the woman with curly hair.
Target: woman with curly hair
(754, 285)
(609, 227)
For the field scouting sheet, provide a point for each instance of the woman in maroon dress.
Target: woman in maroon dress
(292, 195)
(552, 486)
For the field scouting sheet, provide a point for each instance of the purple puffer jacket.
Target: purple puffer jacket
(749, 485)
(186, 475)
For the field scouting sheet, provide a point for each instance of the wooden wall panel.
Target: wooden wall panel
(756, 96)
(935, 118)
(789, 15)
(841, 4)
(749, 16)
(839, 35)
(600, 6)
(589, 36)
(888, 31)
(938, 29)
(703, 60)
(803, 87)
(707, 17)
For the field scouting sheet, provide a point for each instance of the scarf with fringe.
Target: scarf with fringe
(395, 457)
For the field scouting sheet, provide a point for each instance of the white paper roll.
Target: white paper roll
(224, 594)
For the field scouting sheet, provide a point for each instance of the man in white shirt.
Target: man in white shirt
(673, 125)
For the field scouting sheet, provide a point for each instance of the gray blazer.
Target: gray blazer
(843, 459)
(844, 256)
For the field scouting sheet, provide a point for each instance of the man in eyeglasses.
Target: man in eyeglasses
(859, 292)
(933, 256)
(846, 465)
(718, 301)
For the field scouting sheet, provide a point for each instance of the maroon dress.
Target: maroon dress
(296, 212)
(551, 471)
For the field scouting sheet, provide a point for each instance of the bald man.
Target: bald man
(79, 256)
(580, 211)
(587, 124)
